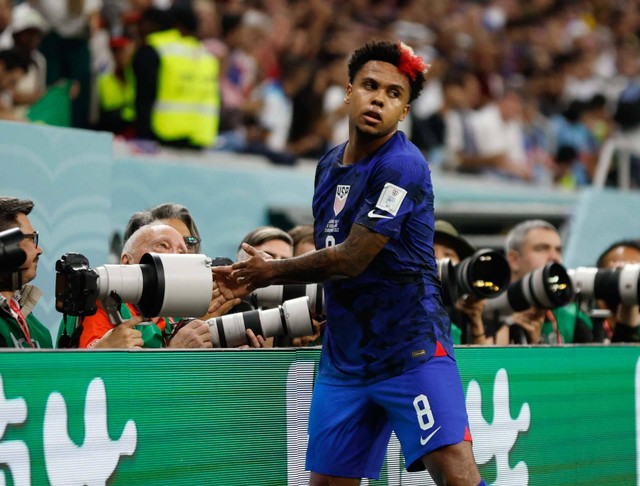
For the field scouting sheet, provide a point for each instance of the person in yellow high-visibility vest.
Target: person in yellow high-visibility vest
(177, 95)
(116, 91)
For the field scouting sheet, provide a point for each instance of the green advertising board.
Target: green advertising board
(539, 416)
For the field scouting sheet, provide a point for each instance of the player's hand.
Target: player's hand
(123, 336)
(254, 272)
(245, 276)
(195, 334)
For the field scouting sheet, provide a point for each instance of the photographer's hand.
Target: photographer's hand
(629, 315)
(123, 336)
(253, 340)
(303, 341)
(195, 334)
(473, 307)
(531, 321)
(221, 303)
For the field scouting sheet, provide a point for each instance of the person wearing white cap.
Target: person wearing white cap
(28, 27)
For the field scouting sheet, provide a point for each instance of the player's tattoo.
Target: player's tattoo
(347, 259)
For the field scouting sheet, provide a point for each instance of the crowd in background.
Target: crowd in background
(518, 90)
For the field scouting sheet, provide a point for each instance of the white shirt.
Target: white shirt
(67, 25)
(495, 136)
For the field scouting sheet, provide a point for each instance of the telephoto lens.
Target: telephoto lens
(274, 295)
(484, 274)
(613, 285)
(545, 288)
(160, 285)
(292, 319)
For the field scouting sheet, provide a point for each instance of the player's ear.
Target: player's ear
(347, 94)
(405, 112)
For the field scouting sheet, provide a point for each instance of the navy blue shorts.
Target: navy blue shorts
(350, 426)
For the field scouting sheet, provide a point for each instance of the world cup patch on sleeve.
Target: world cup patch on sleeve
(391, 198)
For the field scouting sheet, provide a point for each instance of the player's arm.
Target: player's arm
(348, 259)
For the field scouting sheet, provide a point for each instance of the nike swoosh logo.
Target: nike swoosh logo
(424, 441)
(371, 214)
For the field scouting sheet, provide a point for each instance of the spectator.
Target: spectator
(335, 119)
(116, 91)
(274, 100)
(13, 67)
(529, 246)
(570, 131)
(447, 135)
(241, 72)
(624, 323)
(19, 327)
(66, 48)
(158, 238)
(28, 27)
(177, 99)
(498, 132)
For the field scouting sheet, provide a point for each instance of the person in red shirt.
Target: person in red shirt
(98, 331)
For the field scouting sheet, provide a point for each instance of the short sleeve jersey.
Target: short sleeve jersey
(390, 318)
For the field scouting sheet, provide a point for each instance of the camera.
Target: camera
(11, 259)
(613, 285)
(269, 297)
(547, 287)
(160, 285)
(484, 274)
(292, 319)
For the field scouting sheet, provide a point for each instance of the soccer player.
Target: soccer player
(387, 357)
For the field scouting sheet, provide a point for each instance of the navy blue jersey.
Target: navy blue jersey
(390, 318)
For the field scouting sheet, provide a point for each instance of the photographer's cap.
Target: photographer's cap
(445, 232)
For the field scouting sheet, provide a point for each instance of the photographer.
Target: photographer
(624, 323)
(530, 245)
(175, 215)
(467, 326)
(98, 331)
(19, 328)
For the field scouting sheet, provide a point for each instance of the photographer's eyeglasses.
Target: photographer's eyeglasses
(34, 236)
(191, 241)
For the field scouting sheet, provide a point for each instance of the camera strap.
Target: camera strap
(554, 323)
(22, 321)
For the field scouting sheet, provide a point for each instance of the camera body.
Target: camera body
(484, 274)
(76, 286)
(11, 259)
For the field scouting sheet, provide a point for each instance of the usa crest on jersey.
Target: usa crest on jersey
(340, 200)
